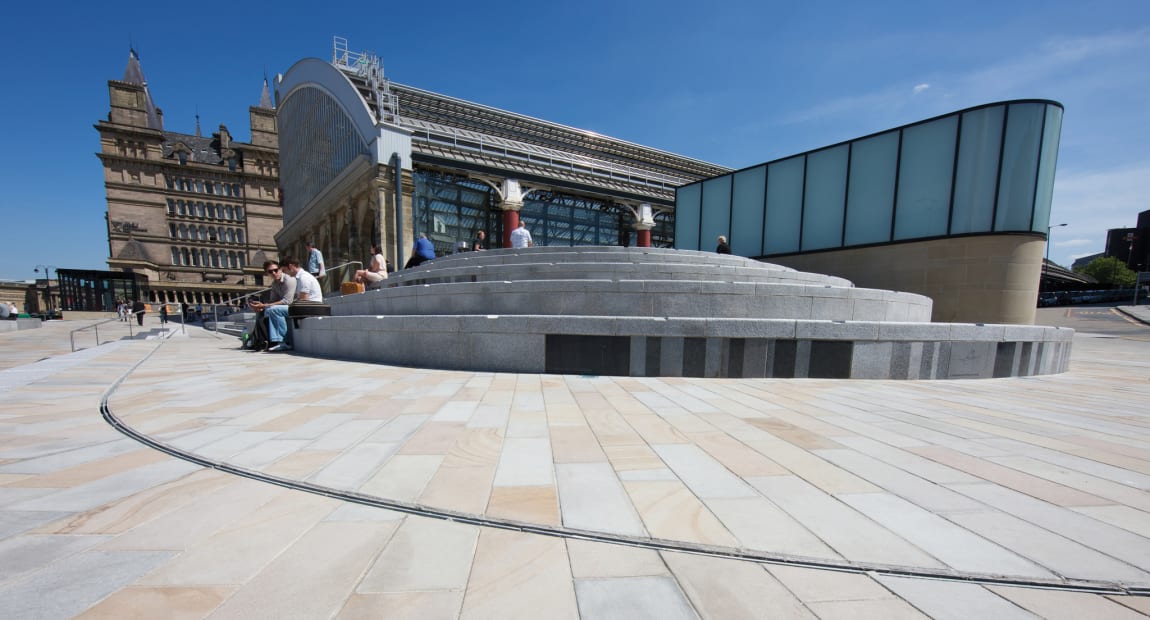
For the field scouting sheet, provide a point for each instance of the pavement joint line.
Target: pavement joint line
(1084, 586)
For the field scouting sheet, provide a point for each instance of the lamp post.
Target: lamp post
(1047, 259)
(47, 285)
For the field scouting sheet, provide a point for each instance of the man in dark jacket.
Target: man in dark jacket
(138, 308)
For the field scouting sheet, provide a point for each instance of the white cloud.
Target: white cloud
(1094, 201)
(920, 88)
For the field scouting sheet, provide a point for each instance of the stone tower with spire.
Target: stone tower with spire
(196, 214)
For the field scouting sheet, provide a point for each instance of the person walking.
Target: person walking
(138, 309)
(164, 314)
(521, 237)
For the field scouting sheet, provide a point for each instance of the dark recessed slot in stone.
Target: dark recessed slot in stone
(831, 359)
(654, 355)
(1004, 359)
(784, 365)
(694, 357)
(588, 355)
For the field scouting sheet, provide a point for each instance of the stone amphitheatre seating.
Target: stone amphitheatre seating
(662, 312)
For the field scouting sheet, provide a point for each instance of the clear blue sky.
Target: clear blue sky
(735, 83)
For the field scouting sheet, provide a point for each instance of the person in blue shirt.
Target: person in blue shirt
(421, 252)
(315, 264)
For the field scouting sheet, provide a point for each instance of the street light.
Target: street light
(47, 285)
(1047, 260)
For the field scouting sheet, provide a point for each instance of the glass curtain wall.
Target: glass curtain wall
(450, 209)
(983, 170)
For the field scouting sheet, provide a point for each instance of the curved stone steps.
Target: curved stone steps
(642, 298)
(436, 274)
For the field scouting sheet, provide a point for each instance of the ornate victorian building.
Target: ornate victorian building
(197, 215)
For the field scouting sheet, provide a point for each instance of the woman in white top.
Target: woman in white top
(377, 272)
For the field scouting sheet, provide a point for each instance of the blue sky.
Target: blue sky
(735, 83)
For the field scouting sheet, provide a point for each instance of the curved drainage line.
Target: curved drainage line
(657, 544)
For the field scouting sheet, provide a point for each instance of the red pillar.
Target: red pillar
(644, 237)
(510, 223)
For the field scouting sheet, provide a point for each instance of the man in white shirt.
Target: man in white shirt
(307, 289)
(521, 237)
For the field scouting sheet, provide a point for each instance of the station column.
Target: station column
(645, 222)
(511, 203)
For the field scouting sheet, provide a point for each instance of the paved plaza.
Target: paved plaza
(247, 485)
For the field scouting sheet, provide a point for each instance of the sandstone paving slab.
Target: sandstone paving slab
(91, 494)
(167, 602)
(73, 584)
(841, 527)
(423, 554)
(632, 597)
(1058, 554)
(720, 588)
(928, 495)
(1111, 540)
(958, 548)
(514, 575)
(591, 497)
(954, 601)
(23, 554)
(352, 468)
(313, 577)
(1057, 605)
(594, 560)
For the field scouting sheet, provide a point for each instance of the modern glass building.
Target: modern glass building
(861, 208)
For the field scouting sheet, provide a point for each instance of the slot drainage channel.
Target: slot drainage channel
(656, 544)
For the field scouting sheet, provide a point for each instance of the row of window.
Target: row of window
(200, 186)
(206, 233)
(982, 170)
(203, 257)
(213, 210)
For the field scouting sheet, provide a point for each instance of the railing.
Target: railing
(231, 302)
(95, 327)
(347, 275)
(333, 276)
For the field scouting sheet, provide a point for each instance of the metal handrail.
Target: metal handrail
(95, 327)
(228, 302)
(343, 278)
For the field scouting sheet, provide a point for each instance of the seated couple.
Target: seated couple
(290, 283)
(377, 272)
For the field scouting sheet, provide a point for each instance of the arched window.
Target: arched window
(195, 258)
(171, 207)
(207, 234)
(236, 190)
(231, 236)
(175, 256)
(232, 260)
(204, 256)
(183, 207)
(243, 260)
(209, 187)
(199, 186)
(172, 230)
(215, 259)
(212, 210)
(231, 212)
(183, 231)
(186, 261)
(200, 209)
(240, 236)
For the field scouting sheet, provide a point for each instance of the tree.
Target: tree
(1110, 270)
